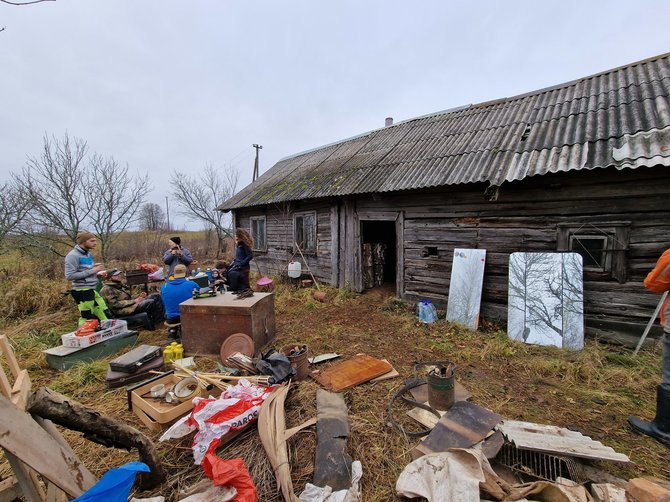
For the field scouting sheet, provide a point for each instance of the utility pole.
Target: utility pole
(255, 176)
(167, 212)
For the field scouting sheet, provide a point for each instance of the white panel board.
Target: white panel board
(545, 302)
(465, 287)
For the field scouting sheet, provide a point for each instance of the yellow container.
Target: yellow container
(178, 351)
(168, 354)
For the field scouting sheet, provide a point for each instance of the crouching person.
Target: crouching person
(121, 303)
(83, 272)
(658, 281)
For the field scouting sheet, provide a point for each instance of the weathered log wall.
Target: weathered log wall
(525, 217)
(279, 236)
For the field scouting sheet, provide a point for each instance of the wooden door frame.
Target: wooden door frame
(394, 216)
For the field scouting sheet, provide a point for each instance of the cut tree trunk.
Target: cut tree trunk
(99, 428)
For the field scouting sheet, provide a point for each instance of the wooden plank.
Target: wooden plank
(377, 215)
(23, 437)
(359, 369)
(9, 490)
(386, 376)
(334, 245)
(21, 390)
(557, 440)
(357, 271)
(9, 356)
(55, 494)
(5, 386)
(31, 489)
(425, 417)
(400, 255)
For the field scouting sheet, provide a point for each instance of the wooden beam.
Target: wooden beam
(30, 487)
(22, 437)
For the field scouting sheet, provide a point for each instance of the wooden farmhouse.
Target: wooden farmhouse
(581, 166)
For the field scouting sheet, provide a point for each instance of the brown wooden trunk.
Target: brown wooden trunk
(207, 322)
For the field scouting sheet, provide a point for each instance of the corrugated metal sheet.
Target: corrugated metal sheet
(557, 440)
(617, 118)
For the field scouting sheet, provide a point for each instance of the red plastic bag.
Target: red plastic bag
(88, 328)
(231, 473)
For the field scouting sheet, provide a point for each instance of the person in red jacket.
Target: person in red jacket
(658, 281)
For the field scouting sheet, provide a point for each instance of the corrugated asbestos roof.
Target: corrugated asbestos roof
(616, 118)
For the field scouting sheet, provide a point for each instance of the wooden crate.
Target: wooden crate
(157, 414)
(207, 322)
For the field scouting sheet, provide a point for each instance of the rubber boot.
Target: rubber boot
(659, 428)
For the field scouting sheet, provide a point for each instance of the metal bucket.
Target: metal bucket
(298, 356)
(441, 386)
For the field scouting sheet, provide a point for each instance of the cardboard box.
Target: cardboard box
(156, 414)
(114, 328)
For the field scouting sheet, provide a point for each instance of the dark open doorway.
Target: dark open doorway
(382, 232)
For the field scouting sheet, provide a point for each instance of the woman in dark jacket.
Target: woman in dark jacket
(238, 272)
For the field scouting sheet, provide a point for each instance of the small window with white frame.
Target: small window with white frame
(304, 231)
(258, 233)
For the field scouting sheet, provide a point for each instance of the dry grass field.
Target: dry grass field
(593, 390)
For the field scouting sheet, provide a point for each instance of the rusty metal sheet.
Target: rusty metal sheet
(557, 440)
(462, 426)
(359, 369)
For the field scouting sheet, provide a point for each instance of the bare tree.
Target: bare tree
(27, 2)
(13, 208)
(152, 217)
(200, 198)
(118, 199)
(68, 191)
(57, 187)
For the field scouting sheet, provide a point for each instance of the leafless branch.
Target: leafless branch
(200, 198)
(118, 199)
(25, 3)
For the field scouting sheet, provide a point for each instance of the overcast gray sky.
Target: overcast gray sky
(166, 85)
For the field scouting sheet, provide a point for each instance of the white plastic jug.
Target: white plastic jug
(294, 269)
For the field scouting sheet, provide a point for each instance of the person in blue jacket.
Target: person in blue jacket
(175, 292)
(238, 271)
